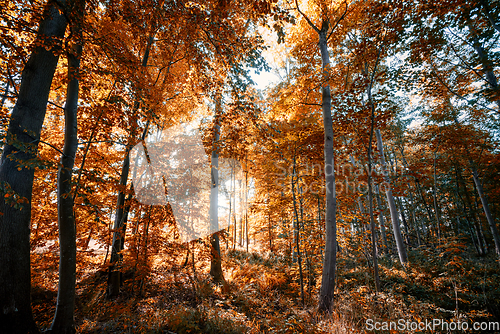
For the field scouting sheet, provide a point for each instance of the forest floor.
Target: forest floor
(262, 295)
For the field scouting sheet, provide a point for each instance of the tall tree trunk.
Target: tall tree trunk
(64, 316)
(246, 206)
(233, 184)
(370, 187)
(215, 260)
(296, 232)
(434, 196)
(240, 197)
(16, 177)
(481, 247)
(330, 259)
(392, 205)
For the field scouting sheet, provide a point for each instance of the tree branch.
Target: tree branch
(338, 21)
(487, 13)
(456, 94)
(307, 19)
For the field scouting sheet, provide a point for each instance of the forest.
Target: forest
(249, 166)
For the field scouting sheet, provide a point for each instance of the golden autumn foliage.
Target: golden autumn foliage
(424, 75)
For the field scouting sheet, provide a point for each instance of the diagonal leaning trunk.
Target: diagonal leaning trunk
(16, 173)
(392, 205)
(486, 207)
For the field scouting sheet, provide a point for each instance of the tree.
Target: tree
(392, 205)
(17, 169)
(64, 316)
(215, 260)
(329, 262)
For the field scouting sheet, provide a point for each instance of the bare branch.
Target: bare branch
(338, 21)
(307, 19)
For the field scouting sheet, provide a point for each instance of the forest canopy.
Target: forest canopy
(148, 184)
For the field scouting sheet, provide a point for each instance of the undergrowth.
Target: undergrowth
(260, 295)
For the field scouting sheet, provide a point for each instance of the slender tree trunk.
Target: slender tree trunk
(489, 217)
(381, 219)
(434, 195)
(477, 228)
(64, 316)
(414, 218)
(114, 274)
(297, 229)
(419, 189)
(403, 218)
(230, 232)
(240, 197)
(235, 232)
(5, 94)
(16, 179)
(330, 259)
(246, 207)
(424, 201)
(392, 205)
(480, 224)
(270, 233)
(215, 260)
(370, 190)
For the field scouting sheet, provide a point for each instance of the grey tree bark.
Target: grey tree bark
(486, 208)
(330, 257)
(392, 205)
(381, 219)
(370, 186)
(17, 172)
